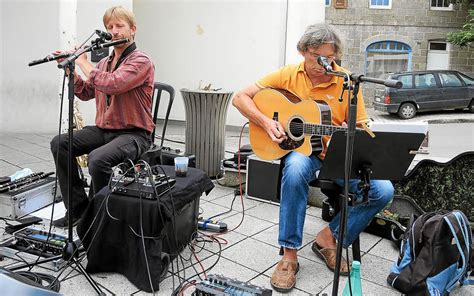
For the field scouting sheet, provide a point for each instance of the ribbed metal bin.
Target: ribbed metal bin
(206, 113)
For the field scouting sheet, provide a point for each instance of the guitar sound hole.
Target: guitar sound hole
(296, 128)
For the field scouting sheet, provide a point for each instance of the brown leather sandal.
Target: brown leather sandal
(329, 256)
(284, 276)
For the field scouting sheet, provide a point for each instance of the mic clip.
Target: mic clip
(97, 42)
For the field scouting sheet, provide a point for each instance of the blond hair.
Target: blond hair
(119, 12)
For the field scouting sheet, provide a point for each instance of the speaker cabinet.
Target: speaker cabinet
(263, 179)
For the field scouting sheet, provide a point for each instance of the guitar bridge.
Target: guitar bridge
(275, 116)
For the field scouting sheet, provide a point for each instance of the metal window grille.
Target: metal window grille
(440, 3)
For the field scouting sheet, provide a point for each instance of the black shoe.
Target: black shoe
(63, 222)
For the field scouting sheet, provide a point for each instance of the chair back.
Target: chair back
(158, 89)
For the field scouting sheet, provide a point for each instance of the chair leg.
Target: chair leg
(356, 250)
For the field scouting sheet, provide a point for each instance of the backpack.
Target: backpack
(436, 253)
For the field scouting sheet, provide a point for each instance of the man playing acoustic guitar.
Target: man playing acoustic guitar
(309, 82)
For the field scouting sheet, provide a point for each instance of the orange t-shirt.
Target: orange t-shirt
(294, 79)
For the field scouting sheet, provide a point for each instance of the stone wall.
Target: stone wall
(408, 21)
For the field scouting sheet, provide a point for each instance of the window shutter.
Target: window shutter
(340, 3)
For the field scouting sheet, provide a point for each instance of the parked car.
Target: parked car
(426, 91)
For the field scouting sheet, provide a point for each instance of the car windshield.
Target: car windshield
(468, 80)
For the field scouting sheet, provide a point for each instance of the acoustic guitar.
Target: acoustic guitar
(305, 123)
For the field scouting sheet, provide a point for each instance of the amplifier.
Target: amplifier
(221, 285)
(263, 179)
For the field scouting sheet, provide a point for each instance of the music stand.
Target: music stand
(385, 157)
(388, 155)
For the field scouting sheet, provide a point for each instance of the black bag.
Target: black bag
(436, 254)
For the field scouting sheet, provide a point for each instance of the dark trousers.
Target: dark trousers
(106, 149)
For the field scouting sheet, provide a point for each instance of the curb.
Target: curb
(441, 121)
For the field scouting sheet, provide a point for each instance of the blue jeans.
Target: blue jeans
(298, 171)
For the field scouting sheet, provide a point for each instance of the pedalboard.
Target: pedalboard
(37, 241)
(221, 285)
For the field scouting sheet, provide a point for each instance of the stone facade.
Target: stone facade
(408, 21)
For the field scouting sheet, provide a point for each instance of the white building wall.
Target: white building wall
(28, 96)
(229, 44)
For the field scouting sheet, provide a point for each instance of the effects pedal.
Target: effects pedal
(128, 186)
(36, 241)
(221, 285)
(207, 224)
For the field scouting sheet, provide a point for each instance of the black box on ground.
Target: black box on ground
(168, 154)
(263, 179)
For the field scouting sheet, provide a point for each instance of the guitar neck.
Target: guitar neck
(321, 129)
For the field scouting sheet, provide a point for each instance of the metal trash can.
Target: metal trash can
(206, 113)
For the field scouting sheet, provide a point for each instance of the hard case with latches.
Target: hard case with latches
(19, 202)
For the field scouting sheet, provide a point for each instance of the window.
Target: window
(468, 80)
(380, 4)
(387, 57)
(442, 5)
(340, 4)
(449, 79)
(407, 81)
(328, 2)
(438, 46)
(425, 80)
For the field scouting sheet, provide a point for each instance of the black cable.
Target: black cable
(170, 194)
(56, 177)
(141, 231)
(173, 222)
(228, 211)
(39, 278)
(178, 290)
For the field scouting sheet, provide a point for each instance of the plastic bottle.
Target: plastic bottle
(21, 174)
(356, 284)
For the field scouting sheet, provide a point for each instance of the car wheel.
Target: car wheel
(471, 106)
(407, 111)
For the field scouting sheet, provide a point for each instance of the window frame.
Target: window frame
(389, 6)
(449, 8)
(408, 51)
(328, 4)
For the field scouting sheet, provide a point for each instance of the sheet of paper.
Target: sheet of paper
(45, 213)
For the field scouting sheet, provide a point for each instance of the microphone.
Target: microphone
(323, 61)
(105, 35)
(109, 44)
(89, 48)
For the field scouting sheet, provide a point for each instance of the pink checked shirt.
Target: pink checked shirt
(129, 88)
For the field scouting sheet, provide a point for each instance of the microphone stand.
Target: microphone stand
(71, 250)
(352, 83)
